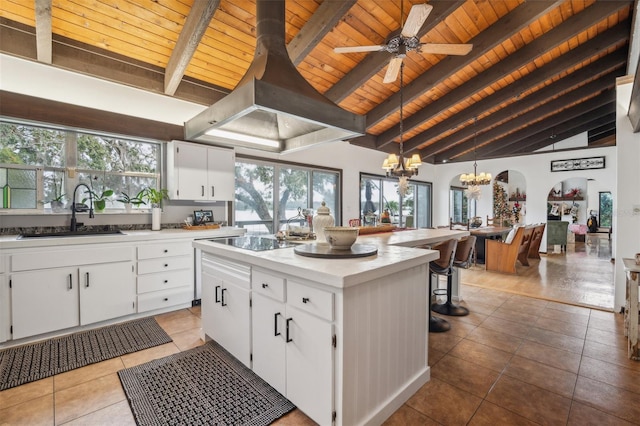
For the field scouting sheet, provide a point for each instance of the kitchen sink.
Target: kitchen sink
(72, 234)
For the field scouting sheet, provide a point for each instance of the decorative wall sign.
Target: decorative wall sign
(577, 164)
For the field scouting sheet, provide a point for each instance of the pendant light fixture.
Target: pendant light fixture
(474, 179)
(396, 165)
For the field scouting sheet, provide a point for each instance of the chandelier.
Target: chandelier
(474, 179)
(396, 165)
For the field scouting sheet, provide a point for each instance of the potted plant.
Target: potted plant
(154, 197)
(129, 201)
(57, 202)
(99, 199)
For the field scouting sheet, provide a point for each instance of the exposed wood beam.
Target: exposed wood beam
(375, 61)
(44, 46)
(527, 54)
(577, 125)
(612, 64)
(43, 110)
(496, 34)
(194, 28)
(19, 40)
(634, 105)
(528, 82)
(321, 22)
(513, 138)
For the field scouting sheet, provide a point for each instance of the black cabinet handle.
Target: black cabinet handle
(70, 282)
(217, 297)
(305, 300)
(265, 285)
(289, 339)
(213, 191)
(166, 281)
(203, 190)
(222, 293)
(166, 264)
(86, 277)
(275, 324)
(166, 251)
(166, 299)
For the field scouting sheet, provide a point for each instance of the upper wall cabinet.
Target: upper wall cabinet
(200, 172)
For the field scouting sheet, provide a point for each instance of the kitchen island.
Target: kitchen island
(345, 340)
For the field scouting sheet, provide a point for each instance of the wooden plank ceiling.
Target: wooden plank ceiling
(539, 71)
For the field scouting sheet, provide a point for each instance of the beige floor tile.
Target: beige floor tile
(491, 415)
(552, 379)
(578, 310)
(556, 340)
(435, 356)
(613, 323)
(443, 342)
(611, 374)
(87, 397)
(294, 418)
(521, 316)
(581, 415)
(606, 337)
(179, 323)
(116, 414)
(534, 403)
(26, 392)
(407, 416)
(548, 355)
(570, 329)
(507, 326)
(187, 339)
(609, 354)
(482, 355)
(459, 327)
(140, 357)
(607, 398)
(85, 374)
(495, 339)
(38, 411)
(564, 316)
(436, 400)
(465, 375)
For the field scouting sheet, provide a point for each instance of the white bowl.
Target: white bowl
(341, 237)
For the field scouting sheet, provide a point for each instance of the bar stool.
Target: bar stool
(462, 259)
(442, 266)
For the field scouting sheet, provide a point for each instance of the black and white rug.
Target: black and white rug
(204, 385)
(35, 361)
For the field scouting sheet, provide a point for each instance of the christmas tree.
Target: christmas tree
(500, 204)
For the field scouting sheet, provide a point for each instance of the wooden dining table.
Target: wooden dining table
(487, 233)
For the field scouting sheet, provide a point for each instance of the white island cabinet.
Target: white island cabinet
(200, 172)
(345, 340)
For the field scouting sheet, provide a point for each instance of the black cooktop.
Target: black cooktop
(253, 242)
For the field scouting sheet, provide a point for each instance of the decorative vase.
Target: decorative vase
(321, 221)
(57, 206)
(156, 213)
(475, 222)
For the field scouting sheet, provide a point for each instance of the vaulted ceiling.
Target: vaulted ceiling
(539, 71)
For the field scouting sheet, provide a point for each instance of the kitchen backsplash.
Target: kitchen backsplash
(46, 229)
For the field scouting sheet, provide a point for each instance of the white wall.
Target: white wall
(626, 218)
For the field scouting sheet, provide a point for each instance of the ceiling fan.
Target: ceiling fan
(407, 41)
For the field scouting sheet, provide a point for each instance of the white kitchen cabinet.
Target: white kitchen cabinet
(200, 172)
(165, 274)
(44, 300)
(293, 348)
(88, 285)
(106, 291)
(5, 310)
(226, 310)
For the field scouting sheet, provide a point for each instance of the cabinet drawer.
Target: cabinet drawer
(165, 298)
(268, 284)
(169, 264)
(164, 280)
(62, 256)
(153, 251)
(312, 300)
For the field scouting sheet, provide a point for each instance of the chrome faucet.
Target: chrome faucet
(74, 225)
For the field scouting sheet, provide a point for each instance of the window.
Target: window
(606, 208)
(268, 194)
(378, 194)
(41, 166)
(459, 207)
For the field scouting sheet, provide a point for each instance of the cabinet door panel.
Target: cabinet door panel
(106, 291)
(191, 170)
(310, 365)
(268, 341)
(43, 301)
(221, 174)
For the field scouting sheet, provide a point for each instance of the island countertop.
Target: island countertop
(395, 254)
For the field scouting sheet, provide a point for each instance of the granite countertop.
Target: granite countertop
(395, 254)
(12, 241)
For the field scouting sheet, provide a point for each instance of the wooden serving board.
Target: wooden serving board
(325, 251)
(200, 227)
(375, 229)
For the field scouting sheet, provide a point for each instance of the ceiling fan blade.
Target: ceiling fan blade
(392, 70)
(446, 49)
(417, 15)
(355, 49)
